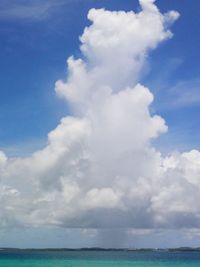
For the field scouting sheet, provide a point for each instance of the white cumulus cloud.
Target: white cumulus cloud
(99, 168)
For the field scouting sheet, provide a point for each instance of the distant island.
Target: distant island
(179, 249)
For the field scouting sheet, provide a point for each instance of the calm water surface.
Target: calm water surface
(98, 259)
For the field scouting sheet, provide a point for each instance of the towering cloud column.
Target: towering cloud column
(99, 168)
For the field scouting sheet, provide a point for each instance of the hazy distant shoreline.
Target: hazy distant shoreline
(180, 249)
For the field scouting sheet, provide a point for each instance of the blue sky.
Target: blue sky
(33, 50)
(36, 38)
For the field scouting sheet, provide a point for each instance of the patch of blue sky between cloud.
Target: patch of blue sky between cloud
(179, 102)
(33, 10)
(184, 94)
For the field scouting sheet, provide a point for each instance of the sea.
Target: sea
(98, 259)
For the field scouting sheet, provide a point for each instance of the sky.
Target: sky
(99, 136)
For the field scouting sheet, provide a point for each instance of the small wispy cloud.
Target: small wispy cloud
(34, 10)
(185, 93)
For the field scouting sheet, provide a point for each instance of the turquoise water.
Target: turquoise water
(98, 259)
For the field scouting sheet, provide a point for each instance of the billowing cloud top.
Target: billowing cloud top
(99, 168)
